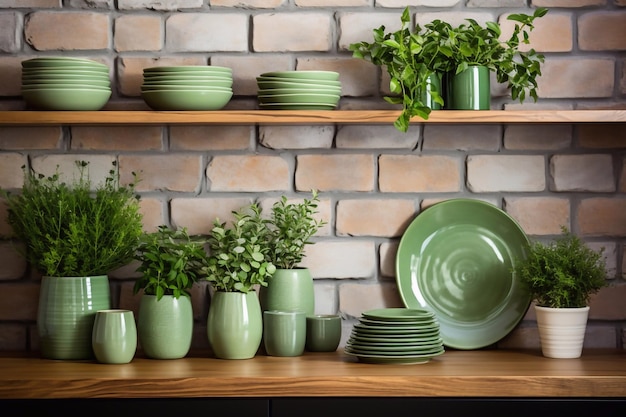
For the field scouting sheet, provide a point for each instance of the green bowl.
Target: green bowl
(67, 99)
(185, 88)
(186, 99)
(63, 86)
(274, 91)
(291, 82)
(67, 82)
(310, 75)
(332, 99)
(65, 71)
(295, 106)
(53, 62)
(191, 83)
(188, 69)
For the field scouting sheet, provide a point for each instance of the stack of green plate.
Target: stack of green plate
(58, 83)
(299, 90)
(395, 335)
(187, 87)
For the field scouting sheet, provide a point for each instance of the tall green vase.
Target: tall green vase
(66, 313)
(235, 325)
(434, 84)
(469, 89)
(165, 326)
(289, 290)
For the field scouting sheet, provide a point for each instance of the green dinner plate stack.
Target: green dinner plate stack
(187, 87)
(59, 83)
(395, 335)
(299, 90)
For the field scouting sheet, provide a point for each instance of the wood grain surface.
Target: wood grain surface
(484, 373)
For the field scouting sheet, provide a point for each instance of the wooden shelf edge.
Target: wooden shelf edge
(301, 117)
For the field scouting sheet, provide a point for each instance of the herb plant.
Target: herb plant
(171, 262)
(291, 228)
(70, 230)
(562, 274)
(239, 255)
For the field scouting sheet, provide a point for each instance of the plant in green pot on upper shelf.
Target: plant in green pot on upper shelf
(171, 262)
(417, 60)
(561, 276)
(291, 226)
(74, 233)
(239, 263)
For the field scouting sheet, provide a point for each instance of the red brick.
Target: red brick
(19, 301)
(602, 31)
(248, 173)
(46, 31)
(539, 215)
(602, 216)
(386, 218)
(335, 172)
(409, 173)
(166, 172)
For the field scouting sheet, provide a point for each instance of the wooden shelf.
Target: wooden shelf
(495, 373)
(302, 117)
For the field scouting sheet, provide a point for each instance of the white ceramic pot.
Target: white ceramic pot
(562, 331)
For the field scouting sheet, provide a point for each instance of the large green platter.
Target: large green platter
(456, 259)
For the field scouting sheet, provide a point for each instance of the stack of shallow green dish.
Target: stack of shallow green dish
(58, 83)
(299, 90)
(395, 335)
(187, 87)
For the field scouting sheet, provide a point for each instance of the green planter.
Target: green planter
(235, 325)
(289, 290)
(469, 90)
(165, 327)
(434, 84)
(66, 313)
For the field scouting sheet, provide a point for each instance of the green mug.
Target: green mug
(114, 336)
(284, 332)
(323, 332)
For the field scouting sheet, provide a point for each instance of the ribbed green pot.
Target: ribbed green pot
(165, 327)
(289, 290)
(469, 90)
(235, 325)
(66, 313)
(434, 84)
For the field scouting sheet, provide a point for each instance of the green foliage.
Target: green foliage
(412, 56)
(291, 228)
(72, 230)
(239, 255)
(562, 274)
(171, 262)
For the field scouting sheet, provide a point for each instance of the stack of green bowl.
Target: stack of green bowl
(58, 83)
(299, 90)
(187, 87)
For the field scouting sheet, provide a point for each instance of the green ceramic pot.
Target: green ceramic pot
(165, 327)
(67, 310)
(235, 325)
(469, 90)
(289, 290)
(433, 84)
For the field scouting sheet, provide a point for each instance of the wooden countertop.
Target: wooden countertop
(485, 373)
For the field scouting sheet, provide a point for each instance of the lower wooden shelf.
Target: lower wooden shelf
(485, 374)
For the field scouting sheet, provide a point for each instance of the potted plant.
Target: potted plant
(74, 234)
(561, 276)
(415, 60)
(171, 262)
(291, 227)
(238, 264)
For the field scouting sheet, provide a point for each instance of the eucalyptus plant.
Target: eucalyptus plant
(239, 254)
(291, 226)
(72, 230)
(171, 262)
(563, 273)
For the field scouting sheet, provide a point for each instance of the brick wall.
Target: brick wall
(373, 179)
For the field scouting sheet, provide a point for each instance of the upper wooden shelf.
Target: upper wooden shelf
(484, 373)
(302, 117)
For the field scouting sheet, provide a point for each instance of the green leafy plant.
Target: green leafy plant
(239, 255)
(171, 262)
(291, 227)
(562, 274)
(71, 229)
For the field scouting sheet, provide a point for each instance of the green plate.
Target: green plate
(355, 340)
(456, 259)
(391, 359)
(308, 75)
(399, 314)
(296, 106)
(383, 330)
(392, 324)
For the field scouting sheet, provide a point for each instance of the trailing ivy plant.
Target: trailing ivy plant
(239, 254)
(291, 227)
(72, 230)
(563, 273)
(171, 262)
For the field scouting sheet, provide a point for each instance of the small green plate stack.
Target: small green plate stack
(395, 336)
(187, 87)
(60, 83)
(299, 90)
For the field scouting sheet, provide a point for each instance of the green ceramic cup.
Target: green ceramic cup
(323, 332)
(284, 332)
(114, 336)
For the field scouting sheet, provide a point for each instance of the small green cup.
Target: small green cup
(284, 332)
(114, 336)
(323, 332)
